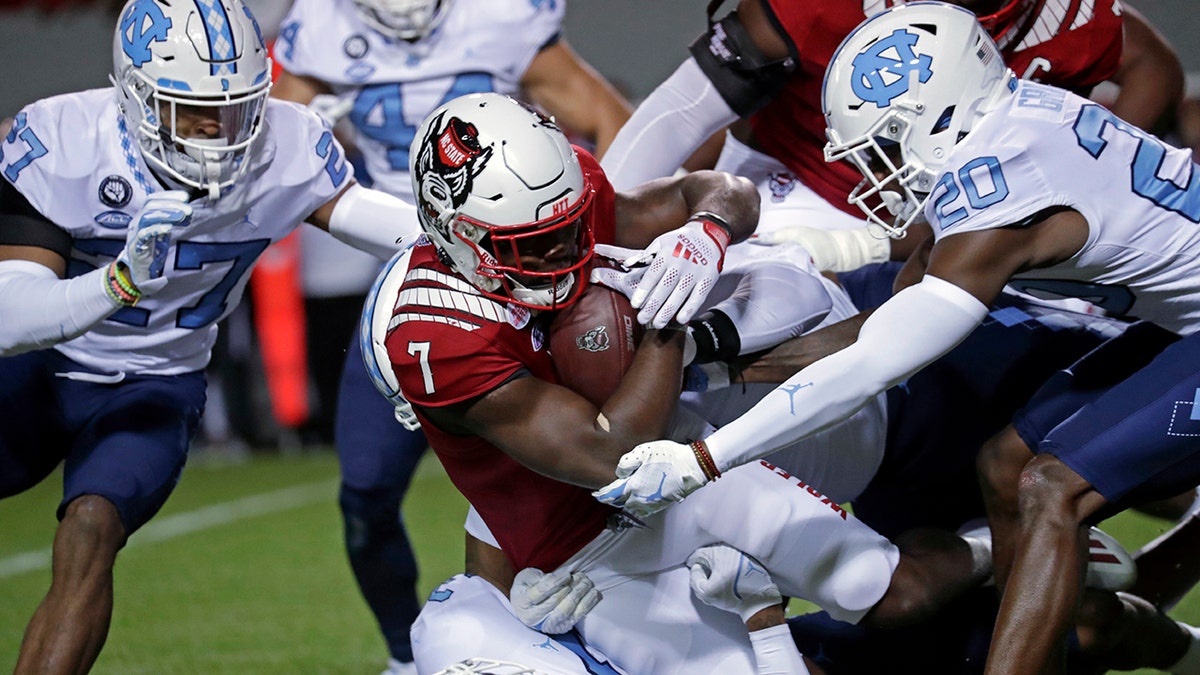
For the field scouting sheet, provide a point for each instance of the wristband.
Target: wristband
(120, 289)
(714, 226)
(705, 460)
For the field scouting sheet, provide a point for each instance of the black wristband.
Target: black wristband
(714, 219)
(716, 337)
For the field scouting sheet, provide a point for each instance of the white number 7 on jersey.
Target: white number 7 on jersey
(421, 351)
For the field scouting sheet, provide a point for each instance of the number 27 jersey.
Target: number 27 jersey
(75, 162)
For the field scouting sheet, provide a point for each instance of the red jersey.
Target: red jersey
(1073, 44)
(450, 344)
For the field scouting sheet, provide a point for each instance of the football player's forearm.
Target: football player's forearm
(641, 408)
(790, 357)
(1150, 75)
(733, 198)
(41, 310)
(912, 329)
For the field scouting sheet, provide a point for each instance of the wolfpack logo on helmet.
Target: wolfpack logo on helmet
(449, 159)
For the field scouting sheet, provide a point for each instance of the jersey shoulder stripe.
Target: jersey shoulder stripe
(431, 295)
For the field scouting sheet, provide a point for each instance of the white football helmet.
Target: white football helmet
(179, 61)
(403, 19)
(373, 328)
(481, 666)
(500, 191)
(901, 90)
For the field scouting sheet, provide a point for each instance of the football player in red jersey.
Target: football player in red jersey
(512, 214)
(761, 67)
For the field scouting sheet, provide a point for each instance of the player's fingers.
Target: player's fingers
(550, 588)
(613, 494)
(653, 278)
(672, 301)
(695, 299)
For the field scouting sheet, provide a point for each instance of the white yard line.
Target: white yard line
(178, 525)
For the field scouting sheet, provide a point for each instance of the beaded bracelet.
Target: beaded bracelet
(705, 460)
(120, 289)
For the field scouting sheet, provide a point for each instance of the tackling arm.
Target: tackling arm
(916, 326)
(368, 220)
(39, 307)
(906, 333)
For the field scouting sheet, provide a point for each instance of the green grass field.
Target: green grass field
(244, 570)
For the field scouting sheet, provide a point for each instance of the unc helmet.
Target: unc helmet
(192, 59)
(481, 666)
(500, 191)
(373, 327)
(901, 90)
(409, 20)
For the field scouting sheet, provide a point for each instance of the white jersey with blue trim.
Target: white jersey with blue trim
(71, 157)
(481, 45)
(1045, 147)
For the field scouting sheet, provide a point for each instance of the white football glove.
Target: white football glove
(684, 264)
(405, 416)
(149, 238)
(621, 279)
(552, 602)
(831, 250)
(728, 579)
(652, 476)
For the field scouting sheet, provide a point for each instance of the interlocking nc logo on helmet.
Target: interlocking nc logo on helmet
(449, 158)
(141, 26)
(878, 78)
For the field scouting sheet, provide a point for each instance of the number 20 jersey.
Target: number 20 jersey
(480, 46)
(1044, 147)
(75, 162)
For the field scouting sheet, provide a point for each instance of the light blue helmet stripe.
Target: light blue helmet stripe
(221, 48)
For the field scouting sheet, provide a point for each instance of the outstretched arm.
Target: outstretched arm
(906, 333)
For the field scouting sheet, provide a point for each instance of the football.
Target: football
(592, 342)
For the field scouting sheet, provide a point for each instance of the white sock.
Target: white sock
(1190, 663)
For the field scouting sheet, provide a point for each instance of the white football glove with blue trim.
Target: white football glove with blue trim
(726, 578)
(552, 602)
(653, 476)
(149, 239)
